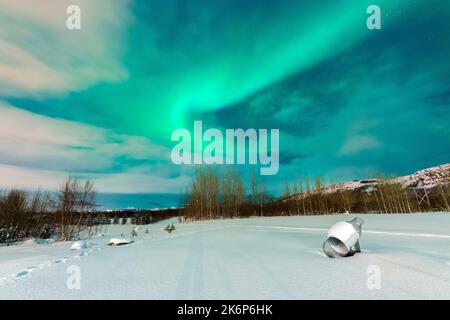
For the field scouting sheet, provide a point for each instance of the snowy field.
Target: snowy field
(256, 258)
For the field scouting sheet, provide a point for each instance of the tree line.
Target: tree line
(381, 195)
(215, 192)
(42, 214)
(70, 213)
(221, 193)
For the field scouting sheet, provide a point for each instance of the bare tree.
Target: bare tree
(74, 201)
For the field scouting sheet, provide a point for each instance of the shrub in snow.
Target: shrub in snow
(119, 241)
(169, 228)
(134, 232)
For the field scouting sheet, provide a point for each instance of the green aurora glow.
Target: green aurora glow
(348, 101)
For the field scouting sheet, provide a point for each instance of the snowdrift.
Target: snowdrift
(119, 241)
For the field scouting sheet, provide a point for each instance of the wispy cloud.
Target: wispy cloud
(36, 150)
(43, 142)
(39, 55)
(357, 144)
(125, 182)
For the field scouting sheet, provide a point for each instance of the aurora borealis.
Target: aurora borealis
(101, 102)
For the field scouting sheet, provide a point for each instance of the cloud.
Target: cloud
(39, 55)
(138, 183)
(20, 177)
(358, 144)
(45, 142)
(33, 146)
(31, 179)
(342, 173)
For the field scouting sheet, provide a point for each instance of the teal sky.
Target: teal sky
(101, 102)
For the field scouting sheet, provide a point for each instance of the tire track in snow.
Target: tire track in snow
(28, 271)
(413, 293)
(271, 275)
(183, 234)
(368, 231)
(437, 276)
(394, 263)
(407, 234)
(191, 282)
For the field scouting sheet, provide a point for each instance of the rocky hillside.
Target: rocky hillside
(423, 179)
(427, 178)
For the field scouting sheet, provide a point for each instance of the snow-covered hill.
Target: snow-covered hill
(427, 178)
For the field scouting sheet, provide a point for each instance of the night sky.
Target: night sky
(101, 102)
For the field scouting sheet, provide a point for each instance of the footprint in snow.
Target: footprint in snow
(38, 266)
(22, 274)
(62, 260)
(33, 267)
(78, 256)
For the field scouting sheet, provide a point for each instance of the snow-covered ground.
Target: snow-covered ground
(256, 258)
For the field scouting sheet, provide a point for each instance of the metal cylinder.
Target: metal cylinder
(343, 239)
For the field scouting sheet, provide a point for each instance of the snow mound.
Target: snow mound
(119, 241)
(30, 242)
(80, 245)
